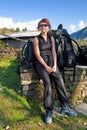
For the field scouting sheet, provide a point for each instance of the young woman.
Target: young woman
(46, 65)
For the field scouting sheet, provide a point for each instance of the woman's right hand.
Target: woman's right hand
(49, 69)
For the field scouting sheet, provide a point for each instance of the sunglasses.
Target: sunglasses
(41, 25)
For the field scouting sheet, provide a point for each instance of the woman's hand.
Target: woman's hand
(49, 69)
(54, 68)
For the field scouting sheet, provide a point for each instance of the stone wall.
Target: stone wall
(80, 84)
(32, 86)
(76, 90)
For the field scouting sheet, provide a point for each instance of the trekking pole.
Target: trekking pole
(76, 43)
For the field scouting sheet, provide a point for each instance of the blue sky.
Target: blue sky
(71, 13)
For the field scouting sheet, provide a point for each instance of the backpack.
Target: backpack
(82, 58)
(28, 56)
(67, 55)
(28, 61)
(65, 49)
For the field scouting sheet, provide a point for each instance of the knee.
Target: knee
(47, 82)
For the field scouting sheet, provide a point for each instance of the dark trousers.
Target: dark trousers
(59, 85)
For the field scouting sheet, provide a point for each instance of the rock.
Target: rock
(81, 108)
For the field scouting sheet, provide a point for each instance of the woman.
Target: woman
(46, 65)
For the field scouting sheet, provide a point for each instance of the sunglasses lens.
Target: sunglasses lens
(45, 25)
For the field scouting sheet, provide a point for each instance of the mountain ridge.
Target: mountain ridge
(80, 35)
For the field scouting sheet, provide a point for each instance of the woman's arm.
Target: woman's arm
(54, 54)
(38, 56)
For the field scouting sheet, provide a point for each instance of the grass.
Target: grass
(17, 112)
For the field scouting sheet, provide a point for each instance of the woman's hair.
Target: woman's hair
(45, 20)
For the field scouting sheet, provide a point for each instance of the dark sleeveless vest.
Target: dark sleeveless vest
(46, 49)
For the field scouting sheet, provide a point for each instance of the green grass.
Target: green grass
(19, 113)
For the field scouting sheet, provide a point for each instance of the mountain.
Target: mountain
(80, 35)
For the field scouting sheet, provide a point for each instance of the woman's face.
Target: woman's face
(43, 27)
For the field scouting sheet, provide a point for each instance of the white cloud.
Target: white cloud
(6, 22)
(32, 25)
(77, 27)
(81, 24)
(9, 23)
(73, 27)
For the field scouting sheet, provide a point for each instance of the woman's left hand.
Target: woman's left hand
(54, 68)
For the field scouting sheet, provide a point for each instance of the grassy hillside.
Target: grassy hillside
(82, 42)
(17, 112)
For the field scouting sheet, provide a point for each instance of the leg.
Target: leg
(64, 100)
(61, 90)
(48, 96)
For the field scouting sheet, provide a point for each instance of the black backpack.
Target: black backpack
(28, 56)
(28, 61)
(82, 58)
(67, 54)
(65, 50)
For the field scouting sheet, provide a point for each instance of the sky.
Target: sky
(27, 13)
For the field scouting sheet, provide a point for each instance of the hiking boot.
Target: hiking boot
(48, 118)
(68, 112)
